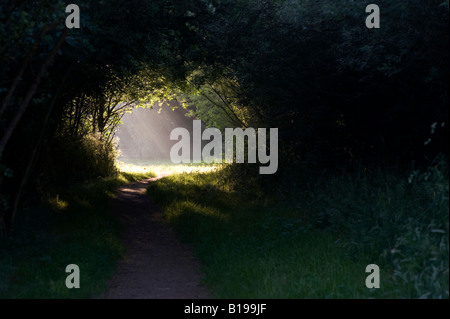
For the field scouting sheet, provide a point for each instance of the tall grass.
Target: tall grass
(401, 217)
(315, 240)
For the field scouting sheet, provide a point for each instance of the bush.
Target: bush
(99, 157)
(89, 157)
(401, 219)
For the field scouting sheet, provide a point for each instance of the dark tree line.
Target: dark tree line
(334, 87)
(340, 93)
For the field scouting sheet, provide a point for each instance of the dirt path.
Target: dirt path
(156, 264)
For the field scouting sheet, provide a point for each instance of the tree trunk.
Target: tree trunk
(34, 155)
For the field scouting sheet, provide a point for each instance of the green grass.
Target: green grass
(310, 239)
(400, 215)
(72, 225)
(316, 240)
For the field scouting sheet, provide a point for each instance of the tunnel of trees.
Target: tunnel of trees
(342, 95)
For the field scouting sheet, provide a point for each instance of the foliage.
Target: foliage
(400, 216)
(91, 158)
(214, 107)
(341, 95)
(124, 53)
(338, 91)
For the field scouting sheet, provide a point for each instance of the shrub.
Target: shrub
(402, 220)
(89, 157)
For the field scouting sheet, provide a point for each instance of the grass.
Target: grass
(161, 167)
(311, 237)
(316, 240)
(399, 215)
(72, 225)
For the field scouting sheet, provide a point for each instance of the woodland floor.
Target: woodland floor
(156, 265)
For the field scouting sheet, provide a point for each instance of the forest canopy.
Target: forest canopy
(340, 93)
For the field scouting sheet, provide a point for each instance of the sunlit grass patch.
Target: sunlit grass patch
(58, 204)
(193, 220)
(166, 168)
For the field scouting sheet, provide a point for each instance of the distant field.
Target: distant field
(161, 167)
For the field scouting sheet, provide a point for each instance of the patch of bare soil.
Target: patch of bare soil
(156, 265)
